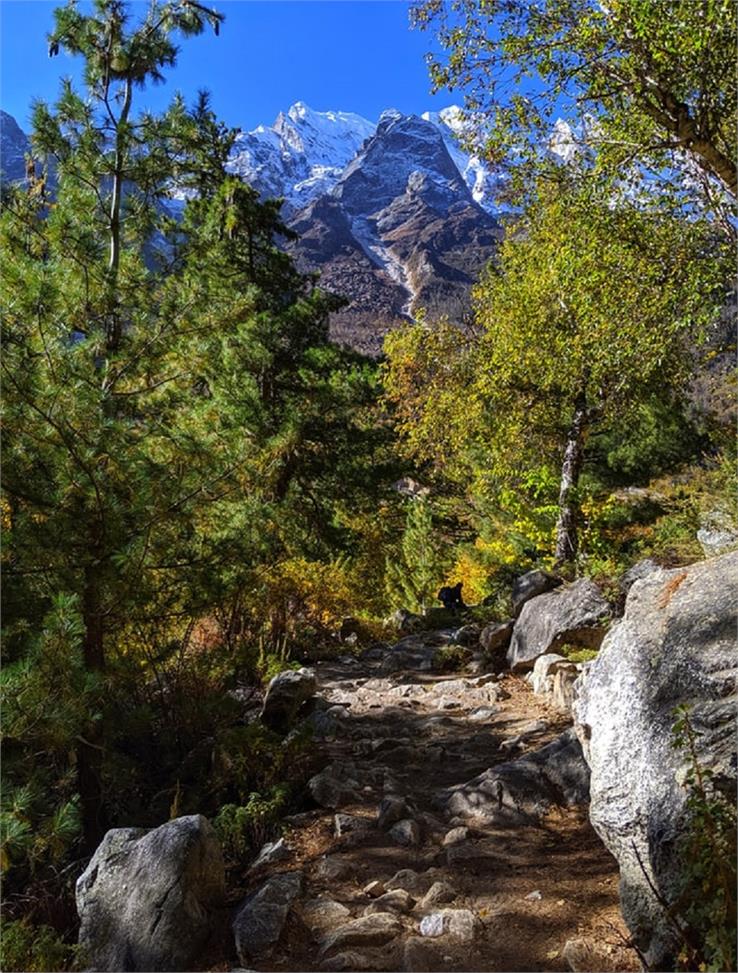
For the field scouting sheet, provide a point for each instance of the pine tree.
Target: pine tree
(91, 340)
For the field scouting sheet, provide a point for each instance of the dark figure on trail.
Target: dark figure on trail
(451, 597)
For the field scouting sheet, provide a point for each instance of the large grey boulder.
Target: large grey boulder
(573, 613)
(675, 645)
(285, 694)
(522, 791)
(147, 899)
(260, 920)
(531, 585)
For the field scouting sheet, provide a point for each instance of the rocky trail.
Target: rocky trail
(451, 832)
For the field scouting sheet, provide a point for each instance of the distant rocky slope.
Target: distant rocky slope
(394, 216)
(14, 145)
(399, 230)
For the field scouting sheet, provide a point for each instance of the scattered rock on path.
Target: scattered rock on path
(374, 889)
(417, 883)
(405, 833)
(351, 826)
(285, 694)
(146, 900)
(323, 913)
(458, 924)
(259, 921)
(332, 869)
(274, 851)
(373, 930)
(329, 791)
(392, 809)
(396, 900)
(455, 835)
(438, 894)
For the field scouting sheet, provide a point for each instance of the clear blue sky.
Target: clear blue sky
(350, 55)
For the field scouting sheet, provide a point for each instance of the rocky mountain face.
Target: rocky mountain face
(14, 145)
(394, 216)
(398, 231)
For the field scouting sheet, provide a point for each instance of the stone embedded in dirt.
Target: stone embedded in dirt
(421, 956)
(396, 900)
(321, 913)
(327, 790)
(484, 680)
(260, 920)
(390, 785)
(438, 894)
(583, 955)
(348, 961)
(526, 733)
(405, 833)
(544, 668)
(374, 889)
(483, 713)
(273, 851)
(563, 694)
(332, 869)
(455, 835)
(458, 924)
(521, 791)
(464, 851)
(531, 585)
(675, 644)
(351, 825)
(414, 882)
(467, 635)
(374, 930)
(534, 896)
(285, 694)
(574, 613)
(496, 636)
(391, 810)
(448, 702)
(431, 823)
(146, 899)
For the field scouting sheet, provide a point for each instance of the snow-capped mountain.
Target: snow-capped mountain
(303, 154)
(399, 230)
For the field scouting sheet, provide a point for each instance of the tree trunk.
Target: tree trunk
(114, 330)
(567, 541)
(90, 743)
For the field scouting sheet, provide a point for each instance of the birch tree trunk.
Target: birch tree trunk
(567, 540)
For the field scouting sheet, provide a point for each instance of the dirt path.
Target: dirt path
(517, 893)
